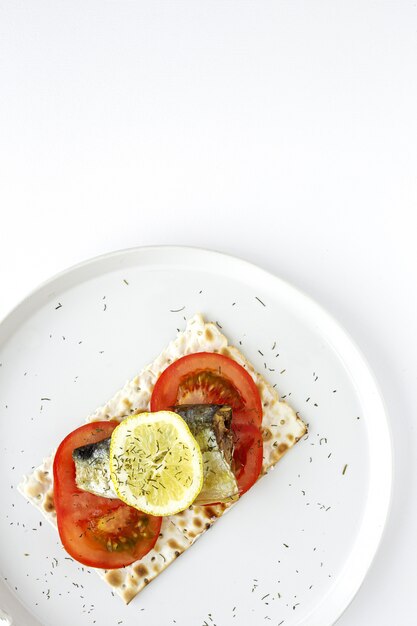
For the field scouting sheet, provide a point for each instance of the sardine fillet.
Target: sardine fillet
(282, 428)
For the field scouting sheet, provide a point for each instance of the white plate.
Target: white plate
(297, 547)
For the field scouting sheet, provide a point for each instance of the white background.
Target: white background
(282, 132)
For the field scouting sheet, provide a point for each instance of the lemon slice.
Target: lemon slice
(155, 463)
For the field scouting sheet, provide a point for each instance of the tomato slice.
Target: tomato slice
(211, 378)
(96, 531)
(247, 455)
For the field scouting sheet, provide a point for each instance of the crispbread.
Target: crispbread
(282, 428)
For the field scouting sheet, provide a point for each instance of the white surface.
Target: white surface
(282, 132)
(326, 505)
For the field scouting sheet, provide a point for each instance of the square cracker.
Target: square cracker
(281, 429)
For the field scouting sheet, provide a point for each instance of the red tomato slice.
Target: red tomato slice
(247, 455)
(211, 378)
(96, 531)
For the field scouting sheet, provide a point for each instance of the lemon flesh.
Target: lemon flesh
(155, 463)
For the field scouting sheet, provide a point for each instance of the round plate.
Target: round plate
(296, 548)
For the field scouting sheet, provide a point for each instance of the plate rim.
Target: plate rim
(349, 594)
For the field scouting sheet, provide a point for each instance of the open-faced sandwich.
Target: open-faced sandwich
(152, 469)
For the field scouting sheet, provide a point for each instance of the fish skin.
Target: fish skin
(216, 417)
(92, 468)
(92, 451)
